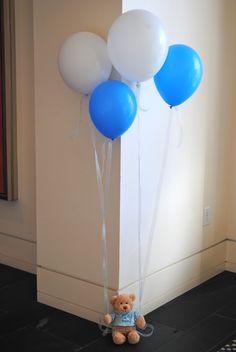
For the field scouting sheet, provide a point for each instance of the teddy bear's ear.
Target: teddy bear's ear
(132, 297)
(113, 299)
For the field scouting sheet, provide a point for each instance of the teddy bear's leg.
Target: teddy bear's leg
(118, 337)
(133, 337)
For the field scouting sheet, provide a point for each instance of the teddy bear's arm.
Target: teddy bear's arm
(108, 319)
(140, 321)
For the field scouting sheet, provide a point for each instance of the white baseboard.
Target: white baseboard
(18, 253)
(230, 267)
(68, 307)
(172, 281)
(86, 299)
(71, 294)
(230, 264)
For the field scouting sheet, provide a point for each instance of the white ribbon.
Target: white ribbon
(103, 190)
(178, 116)
(75, 133)
(138, 98)
(157, 203)
(140, 272)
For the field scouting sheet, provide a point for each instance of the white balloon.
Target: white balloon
(83, 61)
(137, 45)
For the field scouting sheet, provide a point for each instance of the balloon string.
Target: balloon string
(138, 97)
(140, 274)
(75, 133)
(81, 112)
(103, 196)
(178, 115)
(157, 199)
(103, 158)
(146, 334)
(104, 328)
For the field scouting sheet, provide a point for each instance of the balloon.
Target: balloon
(180, 75)
(137, 45)
(83, 61)
(112, 108)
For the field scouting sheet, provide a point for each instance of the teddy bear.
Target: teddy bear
(124, 319)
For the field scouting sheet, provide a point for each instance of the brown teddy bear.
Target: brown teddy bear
(124, 319)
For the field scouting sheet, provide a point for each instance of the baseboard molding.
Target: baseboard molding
(73, 295)
(230, 264)
(68, 307)
(168, 283)
(230, 267)
(18, 253)
(86, 299)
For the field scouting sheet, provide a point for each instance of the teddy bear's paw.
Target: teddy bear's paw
(140, 322)
(133, 337)
(118, 338)
(107, 319)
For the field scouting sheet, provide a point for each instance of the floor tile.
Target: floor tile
(10, 275)
(30, 313)
(33, 340)
(215, 283)
(2, 314)
(21, 292)
(187, 310)
(202, 337)
(103, 344)
(162, 334)
(229, 310)
(70, 327)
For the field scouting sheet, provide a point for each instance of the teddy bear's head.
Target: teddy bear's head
(123, 303)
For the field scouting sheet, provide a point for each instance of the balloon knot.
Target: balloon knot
(171, 106)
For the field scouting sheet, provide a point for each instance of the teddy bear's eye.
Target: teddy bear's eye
(121, 303)
(126, 303)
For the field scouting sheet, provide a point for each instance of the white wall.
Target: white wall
(17, 218)
(230, 28)
(68, 212)
(230, 8)
(196, 174)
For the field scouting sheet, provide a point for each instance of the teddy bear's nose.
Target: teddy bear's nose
(125, 307)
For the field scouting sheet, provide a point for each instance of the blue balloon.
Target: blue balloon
(112, 108)
(180, 75)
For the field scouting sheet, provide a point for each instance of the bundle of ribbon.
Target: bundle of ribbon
(137, 48)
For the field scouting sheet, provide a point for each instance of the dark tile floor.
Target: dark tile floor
(202, 320)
